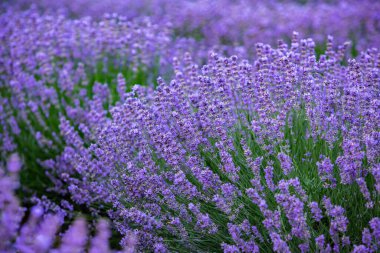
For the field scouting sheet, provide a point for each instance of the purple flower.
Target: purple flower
(338, 223)
(376, 174)
(75, 238)
(204, 222)
(364, 190)
(326, 173)
(293, 209)
(316, 211)
(361, 249)
(14, 164)
(375, 226)
(230, 248)
(269, 177)
(366, 237)
(350, 163)
(286, 163)
(278, 244)
(160, 248)
(320, 241)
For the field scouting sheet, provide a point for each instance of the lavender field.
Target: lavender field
(189, 126)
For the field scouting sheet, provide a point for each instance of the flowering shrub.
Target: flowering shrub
(280, 153)
(241, 157)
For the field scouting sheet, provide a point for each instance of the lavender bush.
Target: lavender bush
(280, 155)
(182, 144)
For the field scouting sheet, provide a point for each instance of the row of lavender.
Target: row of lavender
(242, 22)
(232, 156)
(217, 160)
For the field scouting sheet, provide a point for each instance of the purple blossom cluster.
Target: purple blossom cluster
(209, 153)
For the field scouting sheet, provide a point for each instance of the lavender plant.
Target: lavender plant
(242, 158)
